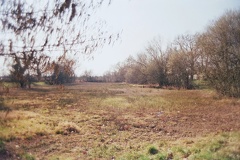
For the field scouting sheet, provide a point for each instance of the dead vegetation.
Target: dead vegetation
(104, 121)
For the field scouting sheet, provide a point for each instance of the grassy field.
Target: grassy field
(118, 121)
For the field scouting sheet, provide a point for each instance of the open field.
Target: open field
(118, 121)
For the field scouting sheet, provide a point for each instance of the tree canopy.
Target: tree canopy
(213, 55)
(220, 47)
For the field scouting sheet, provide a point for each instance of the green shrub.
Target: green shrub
(152, 150)
(2, 147)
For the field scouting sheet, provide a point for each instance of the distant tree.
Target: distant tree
(150, 66)
(157, 65)
(138, 69)
(25, 69)
(178, 71)
(186, 44)
(220, 45)
(87, 76)
(33, 31)
(121, 71)
(183, 61)
(61, 75)
(108, 77)
(132, 70)
(175, 66)
(63, 71)
(129, 78)
(135, 72)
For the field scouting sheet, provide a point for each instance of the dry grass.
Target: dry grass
(102, 121)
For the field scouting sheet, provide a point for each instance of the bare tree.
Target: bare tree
(149, 66)
(157, 65)
(186, 44)
(178, 71)
(33, 32)
(183, 61)
(220, 45)
(139, 68)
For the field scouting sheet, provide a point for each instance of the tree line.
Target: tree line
(32, 34)
(213, 55)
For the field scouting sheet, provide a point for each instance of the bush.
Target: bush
(152, 150)
(2, 147)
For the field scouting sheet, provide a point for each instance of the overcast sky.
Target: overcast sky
(142, 20)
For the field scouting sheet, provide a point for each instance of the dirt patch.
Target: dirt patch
(76, 126)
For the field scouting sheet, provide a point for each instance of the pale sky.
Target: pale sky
(142, 20)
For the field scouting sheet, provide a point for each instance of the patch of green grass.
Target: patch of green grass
(116, 102)
(10, 84)
(23, 124)
(101, 121)
(181, 151)
(223, 147)
(201, 84)
(161, 156)
(131, 156)
(2, 147)
(27, 156)
(39, 83)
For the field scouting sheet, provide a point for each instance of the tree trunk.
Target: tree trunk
(22, 84)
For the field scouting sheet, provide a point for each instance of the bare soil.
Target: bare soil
(118, 129)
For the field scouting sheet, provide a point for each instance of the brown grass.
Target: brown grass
(102, 121)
